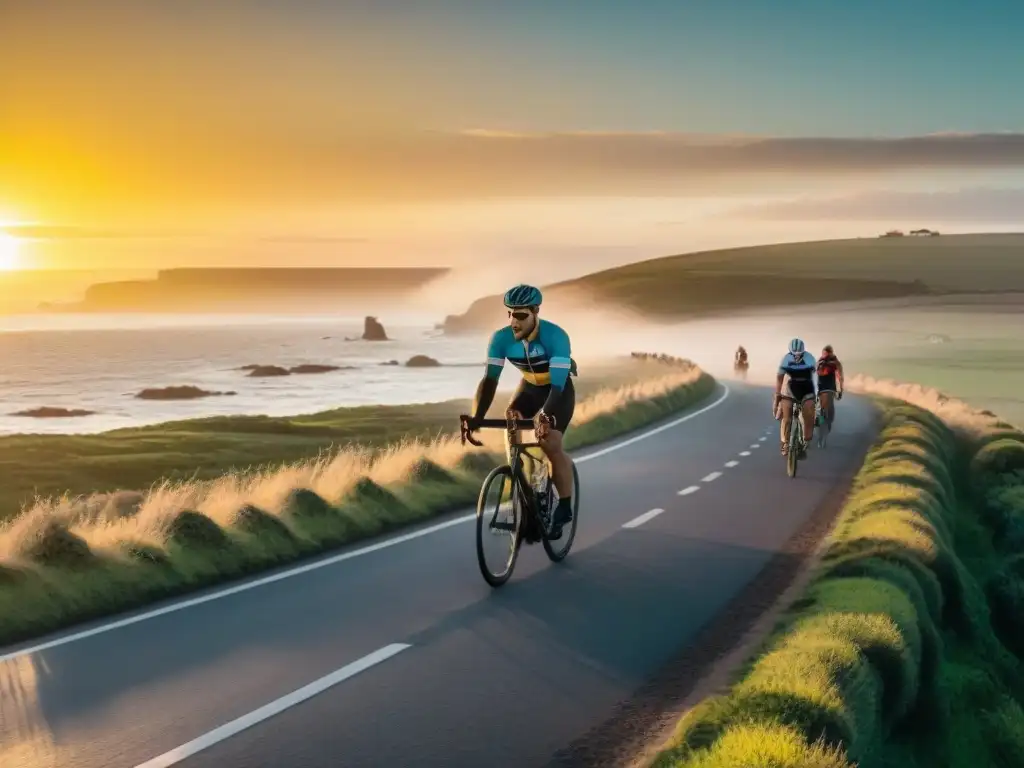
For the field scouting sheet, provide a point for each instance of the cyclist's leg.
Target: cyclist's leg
(561, 464)
(785, 416)
(825, 397)
(525, 402)
(808, 409)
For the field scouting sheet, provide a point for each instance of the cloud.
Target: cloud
(152, 171)
(980, 205)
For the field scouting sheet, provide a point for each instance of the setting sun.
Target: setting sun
(8, 252)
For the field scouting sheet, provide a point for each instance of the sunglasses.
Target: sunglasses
(519, 315)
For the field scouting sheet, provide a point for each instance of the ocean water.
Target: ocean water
(99, 362)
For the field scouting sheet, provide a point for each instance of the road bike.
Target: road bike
(740, 368)
(528, 504)
(822, 424)
(796, 443)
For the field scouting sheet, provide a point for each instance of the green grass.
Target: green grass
(905, 649)
(202, 449)
(63, 563)
(741, 279)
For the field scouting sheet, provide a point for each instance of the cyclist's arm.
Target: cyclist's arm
(781, 376)
(489, 383)
(839, 370)
(559, 363)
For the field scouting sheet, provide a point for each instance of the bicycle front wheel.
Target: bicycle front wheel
(794, 444)
(557, 549)
(498, 525)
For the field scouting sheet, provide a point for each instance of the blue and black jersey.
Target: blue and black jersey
(544, 357)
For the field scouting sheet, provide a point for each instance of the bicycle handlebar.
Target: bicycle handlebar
(509, 424)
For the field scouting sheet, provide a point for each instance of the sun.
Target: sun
(9, 246)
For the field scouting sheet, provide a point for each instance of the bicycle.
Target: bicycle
(822, 424)
(796, 437)
(531, 504)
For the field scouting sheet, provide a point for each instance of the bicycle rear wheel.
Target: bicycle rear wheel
(559, 548)
(499, 517)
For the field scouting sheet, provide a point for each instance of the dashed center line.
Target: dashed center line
(754, 445)
(744, 453)
(761, 439)
(638, 521)
(732, 464)
(712, 476)
(689, 489)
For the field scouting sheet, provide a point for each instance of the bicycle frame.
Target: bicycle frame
(515, 449)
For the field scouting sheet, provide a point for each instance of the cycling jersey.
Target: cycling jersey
(798, 368)
(827, 365)
(544, 357)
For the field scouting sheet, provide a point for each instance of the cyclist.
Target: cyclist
(542, 353)
(829, 370)
(795, 383)
(741, 357)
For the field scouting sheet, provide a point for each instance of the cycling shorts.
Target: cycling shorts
(827, 383)
(530, 398)
(798, 389)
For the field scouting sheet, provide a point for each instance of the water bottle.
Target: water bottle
(540, 483)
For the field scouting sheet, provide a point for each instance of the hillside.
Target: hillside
(794, 273)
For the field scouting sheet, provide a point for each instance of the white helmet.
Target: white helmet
(796, 346)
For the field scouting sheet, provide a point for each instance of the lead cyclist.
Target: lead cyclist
(542, 353)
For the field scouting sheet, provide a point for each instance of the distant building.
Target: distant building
(892, 233)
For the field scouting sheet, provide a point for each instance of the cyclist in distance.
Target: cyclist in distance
(741, 356)
(795, 383)
(830, 372)
(542, 353)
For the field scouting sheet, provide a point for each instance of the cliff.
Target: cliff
(217, 289)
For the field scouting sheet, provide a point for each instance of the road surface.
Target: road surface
(400, 654)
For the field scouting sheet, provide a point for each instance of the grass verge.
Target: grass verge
(67, 560)
(905, 650)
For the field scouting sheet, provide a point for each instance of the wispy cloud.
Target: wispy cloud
(981, 205)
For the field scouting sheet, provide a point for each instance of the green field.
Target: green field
(52, 465)
(779, 275)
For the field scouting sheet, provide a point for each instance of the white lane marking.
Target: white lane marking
(636, 522)
(259, 582)
(744, 453)
(732, 464)
(755, 445)
(689, 489)
(761, 439)
(712, 476)
(275, 707)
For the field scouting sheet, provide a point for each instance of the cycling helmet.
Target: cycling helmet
(523, 296)
(796, 346)
(828, 349)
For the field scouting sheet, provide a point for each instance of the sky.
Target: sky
(478, 132)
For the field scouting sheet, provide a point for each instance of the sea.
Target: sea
(100, 362)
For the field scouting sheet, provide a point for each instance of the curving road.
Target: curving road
(399, 654)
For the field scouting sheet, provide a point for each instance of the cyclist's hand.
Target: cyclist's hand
(542, 425)
(839, 395)
(776, 399)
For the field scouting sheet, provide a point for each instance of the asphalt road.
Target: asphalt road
(400, 654)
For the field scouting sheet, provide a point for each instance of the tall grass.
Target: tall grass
(905, 649)
(66, 559)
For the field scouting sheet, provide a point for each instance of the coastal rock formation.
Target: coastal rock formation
(47, 412)
(186, 392)
(264, 371)
(421, 361)
(373, 330)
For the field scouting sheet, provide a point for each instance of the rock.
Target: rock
(390, 362)
(314, 368)
(263, 371)
(421, 361)
(187, 392)
(47, 412)
(373, 330)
